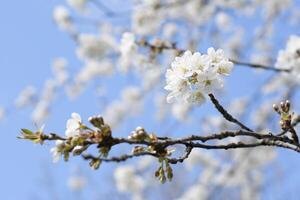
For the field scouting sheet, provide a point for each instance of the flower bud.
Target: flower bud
(276, 108)
(96, 121)
(95, 163)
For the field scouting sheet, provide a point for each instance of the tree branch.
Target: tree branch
(172, 46)
(225, 114)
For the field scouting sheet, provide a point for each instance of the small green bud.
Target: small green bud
(95, 164)
(96, 121)
(169, 171)
(66, 156)
(78, 150)
(104, 151)
(106, 130)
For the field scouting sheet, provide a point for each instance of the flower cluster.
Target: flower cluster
(193, 75)
(78, 138)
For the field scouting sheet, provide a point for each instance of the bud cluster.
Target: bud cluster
(164, 172)
(102, 132)
(155, 147)
(141, 135)
(78, 139)
(286, 118)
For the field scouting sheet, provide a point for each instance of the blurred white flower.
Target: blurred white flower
(169, 30)
(79, 5)
(57, 151)
(181, 110)
(2, 113)
(146, 19)
(59, 66)
(223, 21)
(128, 49)
(26, 97)
(62, 17)
(289, 58)
(41, 112)
(127, 180)
(91, 47)
(94, 69)
(73, 125)
(118, 110)
(77, 182)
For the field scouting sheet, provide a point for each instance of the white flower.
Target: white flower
(128, 49)
(73, 125)
(26, 97)
(94, 69)
(223, 21)
(77, 182)
(62, 17)
(91, 47)
(289, 58)
(127, 180)
(59, 66)
(78, 4)
(57, 151)
(41, 112)
(2, 113)
(146, 20)
(193, 75)
(219, 61)
(181, 110)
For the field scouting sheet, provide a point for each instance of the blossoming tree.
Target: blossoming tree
(173, 59)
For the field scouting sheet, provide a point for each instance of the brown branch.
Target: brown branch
(191, 145)
(165, 46)
(259, 66)
(188, 151)
(117, 159)
(225, 114)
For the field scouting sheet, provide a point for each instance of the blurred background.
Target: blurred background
(34, 39)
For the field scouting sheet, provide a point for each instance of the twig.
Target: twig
(260, 66)
(192, 145)
(225, 114)
(165, 46)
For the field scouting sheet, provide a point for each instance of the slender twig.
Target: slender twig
(117, 159)
(165, 46)
(188, 151)
(260, 66)
(225, 114)
(106, 10)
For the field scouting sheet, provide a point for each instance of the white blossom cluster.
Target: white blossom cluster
(289, 58)
(73, 128)
(193, 75)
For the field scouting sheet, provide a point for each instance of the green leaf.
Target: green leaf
(26, 131)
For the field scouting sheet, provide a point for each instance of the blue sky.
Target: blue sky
(29, 41)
